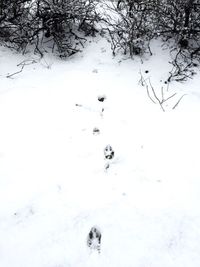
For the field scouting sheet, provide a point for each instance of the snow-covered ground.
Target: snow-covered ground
(55, 183)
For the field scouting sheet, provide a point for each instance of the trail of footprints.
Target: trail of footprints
(94, 235)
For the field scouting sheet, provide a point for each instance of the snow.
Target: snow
(54, 184)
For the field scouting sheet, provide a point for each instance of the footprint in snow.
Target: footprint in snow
(94, 239)
(101, 98)
(109, 152)
(95, 71)
(96, 131)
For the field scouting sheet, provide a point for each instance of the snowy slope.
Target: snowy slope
(54, 185)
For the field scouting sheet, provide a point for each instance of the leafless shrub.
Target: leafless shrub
(132, 24)
(183, 66)
(43, 24)
(129, 26)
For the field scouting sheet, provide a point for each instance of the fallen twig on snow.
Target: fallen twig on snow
(15, 73)
(153, 96)
(22, 64)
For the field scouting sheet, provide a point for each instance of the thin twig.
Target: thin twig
(149, 94)
(178, 101)
(164, 100)
(27, 62)
(15, 73)
(153, 95)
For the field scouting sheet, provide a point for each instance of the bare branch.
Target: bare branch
(178, 101)
(15, 73)
(153, 96)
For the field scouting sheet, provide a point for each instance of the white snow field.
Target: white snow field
(55, 183)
